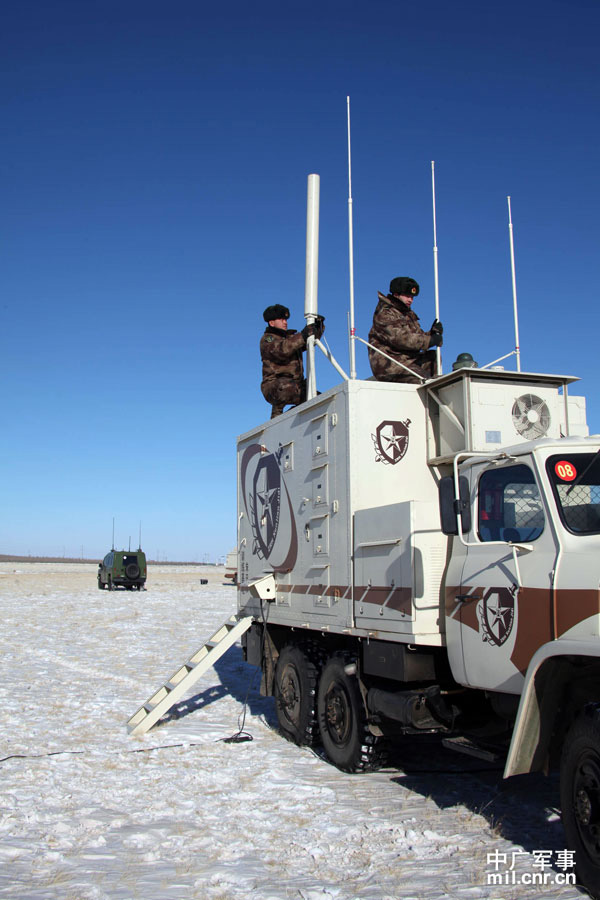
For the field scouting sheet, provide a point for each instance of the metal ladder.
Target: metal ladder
(187, 675)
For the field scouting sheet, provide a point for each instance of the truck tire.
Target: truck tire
(580, 796)
(132, 571)
(343, 720)
(295, 689)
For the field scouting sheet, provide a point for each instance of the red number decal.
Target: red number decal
(566, 471)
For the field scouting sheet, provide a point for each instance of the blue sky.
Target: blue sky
(153, 175)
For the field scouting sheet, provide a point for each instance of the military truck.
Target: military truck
(422, 558)
(425, 558)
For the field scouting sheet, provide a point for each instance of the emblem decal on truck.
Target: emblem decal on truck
(265, 505)
(497, 614)
(271, 517)
(391, 441)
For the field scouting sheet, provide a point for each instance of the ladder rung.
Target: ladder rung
(180, 674)
(156, 698)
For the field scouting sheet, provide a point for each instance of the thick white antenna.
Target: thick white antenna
(438, 355)
(352, 330)
(514, 287)
(311, 310)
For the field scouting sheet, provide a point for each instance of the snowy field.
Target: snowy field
(88, 812)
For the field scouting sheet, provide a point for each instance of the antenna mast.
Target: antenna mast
(351, 254)
(438, 355)
(113, 539)
(514, 286)
(312, 274)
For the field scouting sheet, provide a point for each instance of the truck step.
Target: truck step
(186, 675)
(464, 745)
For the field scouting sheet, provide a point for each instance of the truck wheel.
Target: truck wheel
(343, 720)
(580, 797)
(100, 585)
(296, 679)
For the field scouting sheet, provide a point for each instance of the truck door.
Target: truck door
(504, 604)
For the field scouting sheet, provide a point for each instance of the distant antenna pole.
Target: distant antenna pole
(352, 331)
(113, 540)
(514, 286)
(438, 355)
(140, 543)
(311, 309)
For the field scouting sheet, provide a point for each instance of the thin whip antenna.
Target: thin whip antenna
(438, 355)
(514, 287)
(113, 539)
(352, 330)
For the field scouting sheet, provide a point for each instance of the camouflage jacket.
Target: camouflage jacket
(281, 354)
(397, 332)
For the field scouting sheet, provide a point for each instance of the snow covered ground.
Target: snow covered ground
(88, 812)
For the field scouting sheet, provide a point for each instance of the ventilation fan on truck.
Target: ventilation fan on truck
(531, 416)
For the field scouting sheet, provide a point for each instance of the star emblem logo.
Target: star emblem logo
(265, 505)
(497, 614)
(391, 441)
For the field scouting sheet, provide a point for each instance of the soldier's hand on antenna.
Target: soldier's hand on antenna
(437, 327)
(435, 339)
(319, 326)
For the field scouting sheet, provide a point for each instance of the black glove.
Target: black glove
(437, 327)
(319, 326)
(435, 339)
(307, 331)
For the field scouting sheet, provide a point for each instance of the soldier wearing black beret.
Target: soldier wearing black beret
(281, 353)
(396, 332)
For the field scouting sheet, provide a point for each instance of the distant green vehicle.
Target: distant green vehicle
(122, 568)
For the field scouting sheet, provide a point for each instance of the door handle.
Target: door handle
(462, 598)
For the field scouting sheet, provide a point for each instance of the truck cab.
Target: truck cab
(526, 570)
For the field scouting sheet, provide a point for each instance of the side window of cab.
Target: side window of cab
(509, 505)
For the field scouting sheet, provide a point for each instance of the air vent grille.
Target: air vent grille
(531, 417)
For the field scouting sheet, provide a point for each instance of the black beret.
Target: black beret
(276, 312)
(408, 287)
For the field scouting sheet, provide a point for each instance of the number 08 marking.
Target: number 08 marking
(566, 471)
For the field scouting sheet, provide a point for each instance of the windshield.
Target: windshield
(575, 479)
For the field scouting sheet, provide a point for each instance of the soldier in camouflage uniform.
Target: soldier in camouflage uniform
(397, 332)
(281, 353)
